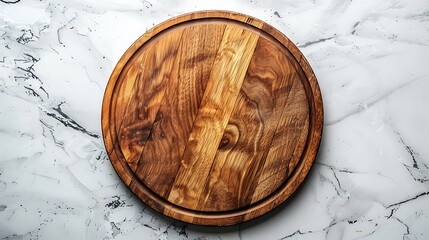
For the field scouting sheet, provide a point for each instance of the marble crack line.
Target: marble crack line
(336, 169)
(115, 229)
(356, 172)
(26, 37)
(417, 179)
(335, 175)
(32, 92)
(337, 189)
(307, 44)
(413, 154)
(51, 130)
(10, 2)
(333, 223)
(371, 103)
(408, 200)
(294, 233)
(417, 164)
(181, 230)
(67, 121)
(150, 227)
(407, 227)
(62, 27)
(355, 27)
(89, 78)
(392, 212)
(299, 232)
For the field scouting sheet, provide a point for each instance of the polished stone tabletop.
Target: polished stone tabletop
(371, 176)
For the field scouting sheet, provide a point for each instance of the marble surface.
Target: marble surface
(371, 176)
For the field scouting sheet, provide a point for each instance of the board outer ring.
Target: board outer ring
(257, 209)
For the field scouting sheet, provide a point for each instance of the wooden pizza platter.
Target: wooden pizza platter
(212, 118)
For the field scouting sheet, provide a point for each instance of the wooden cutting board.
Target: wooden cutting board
(212, 118)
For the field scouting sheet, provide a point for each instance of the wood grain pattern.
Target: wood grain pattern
(212, 118)
(183, 96)
(223, 86)
(260, 111)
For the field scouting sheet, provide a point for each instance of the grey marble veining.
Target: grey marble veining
(371, 177)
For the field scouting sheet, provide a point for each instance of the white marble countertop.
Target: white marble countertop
(371, 176)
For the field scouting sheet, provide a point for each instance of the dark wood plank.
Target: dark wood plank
(287, 145)
(149, 76)
(163, 150)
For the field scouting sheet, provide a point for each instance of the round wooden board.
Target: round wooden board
(212, 118)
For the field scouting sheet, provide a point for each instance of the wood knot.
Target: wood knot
(136, 133)
(230, 137)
